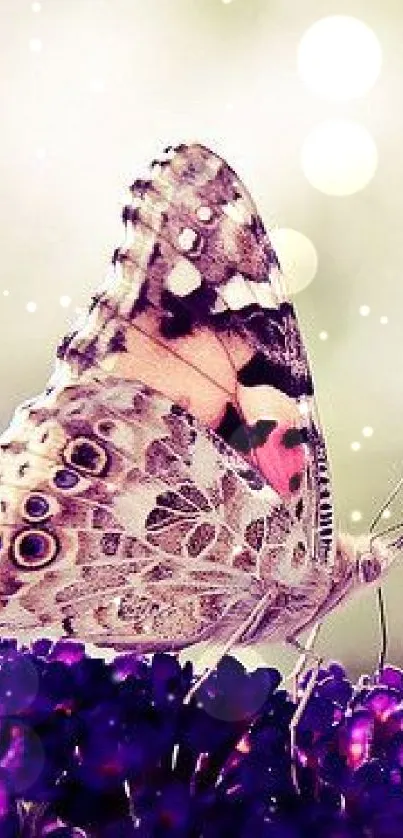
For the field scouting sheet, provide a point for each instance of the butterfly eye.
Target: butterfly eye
(86, 455)
(33, 549)
(370, 568)
(36, 508)
(190, 241)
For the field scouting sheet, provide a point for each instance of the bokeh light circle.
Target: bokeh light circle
(368, 431)
(339, 58)
(339, 157)
(297, 256)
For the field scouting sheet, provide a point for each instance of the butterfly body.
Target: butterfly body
(171, 483)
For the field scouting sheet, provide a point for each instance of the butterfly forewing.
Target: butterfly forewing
(174, 471)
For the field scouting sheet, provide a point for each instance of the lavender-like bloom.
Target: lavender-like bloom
(96, 750)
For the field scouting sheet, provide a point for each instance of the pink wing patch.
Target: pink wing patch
(282, 459)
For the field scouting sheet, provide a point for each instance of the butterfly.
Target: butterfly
(171, 484)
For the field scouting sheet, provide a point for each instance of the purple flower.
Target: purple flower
(96, 750)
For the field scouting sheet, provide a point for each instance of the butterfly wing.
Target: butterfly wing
(197, 274)
(194, 309)
(125, 522)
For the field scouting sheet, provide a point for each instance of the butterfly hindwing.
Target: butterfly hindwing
(169, 532)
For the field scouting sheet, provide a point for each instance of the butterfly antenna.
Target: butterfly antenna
(386, 530)
(384, 506)
(380, 597)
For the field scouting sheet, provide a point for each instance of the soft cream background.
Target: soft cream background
(114, 82)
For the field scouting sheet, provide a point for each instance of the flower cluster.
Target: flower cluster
(90, 749)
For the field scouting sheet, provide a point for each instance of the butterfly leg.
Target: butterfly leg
(296, 719)
(132, 813)
(235, 636)
(306, 652)
(384, 632)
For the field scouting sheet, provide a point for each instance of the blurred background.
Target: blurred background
(305, 101)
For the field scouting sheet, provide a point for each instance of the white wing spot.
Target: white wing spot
(237, 293)
(187, 239)
(264, 294)
(204, 213)
(183, 278)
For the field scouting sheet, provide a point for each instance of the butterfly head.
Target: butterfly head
(372, 559)
(371, 564)
(362, 562)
